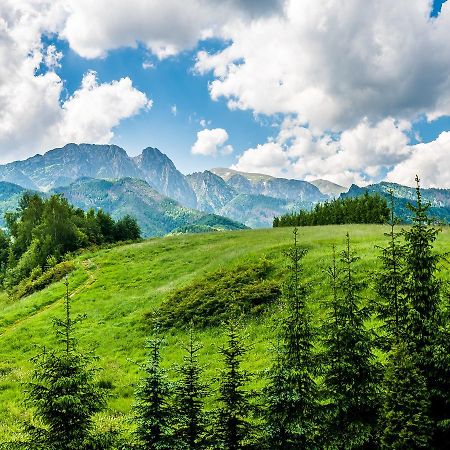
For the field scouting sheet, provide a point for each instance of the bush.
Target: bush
(248, 287)
(37, 282)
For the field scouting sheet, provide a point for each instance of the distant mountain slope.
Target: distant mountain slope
(260, 184)
(226, 174)
(329, 188)
(256, 211)
(9, 199)
(211, 190)
(62, 166)
(156, 214)
(253, 199)
(160, 171)
(438, 198)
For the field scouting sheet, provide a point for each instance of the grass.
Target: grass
(118, 287)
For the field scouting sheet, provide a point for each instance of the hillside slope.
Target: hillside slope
(117, 288)
(156, 214)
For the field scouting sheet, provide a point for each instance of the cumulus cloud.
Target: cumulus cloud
(332, 64)
(211, 143)
(33, 116)
(166, 28)
(91, 113)
(358, 155)
(429, 161)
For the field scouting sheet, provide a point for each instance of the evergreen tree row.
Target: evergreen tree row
(43, 230)
(364, 209)
(325, 387)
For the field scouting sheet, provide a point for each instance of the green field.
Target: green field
(118, 287)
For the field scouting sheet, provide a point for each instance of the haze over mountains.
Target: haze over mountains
(152, 189)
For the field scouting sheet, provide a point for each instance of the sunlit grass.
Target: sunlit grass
(116, 287)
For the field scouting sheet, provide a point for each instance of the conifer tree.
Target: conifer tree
(392, 307)
(291, 394)
(233, 424)
(153, 410)
(189, 399)
(350, 373)
(428, 337)
(405, 414)
(421, 284)
(64, 395)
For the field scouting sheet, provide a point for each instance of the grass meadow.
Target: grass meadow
(117, 288)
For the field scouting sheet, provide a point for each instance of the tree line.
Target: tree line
(42, 231)
(325, 386)
(364, 209)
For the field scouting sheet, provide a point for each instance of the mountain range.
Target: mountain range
(164, 200)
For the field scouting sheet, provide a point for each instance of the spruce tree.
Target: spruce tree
(291, 394)
(392, 307)
(405, 414)
(428, 337)
(64, 395)
(153, 409)
(189, 399)
(350, 373)
(233, 416)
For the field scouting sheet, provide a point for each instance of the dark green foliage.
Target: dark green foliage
(208, 301)
(233, 426)
(405, 415)
(392, 307)
(153, 411)
(427, 334)
(127, 229)
(50, 228)
(39, 280)
(365, 209)
(4, 253)
(64, 395)
(291, 394)
(350, 373)
(190, 422)
(422, 288)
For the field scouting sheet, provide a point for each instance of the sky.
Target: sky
(353, 91)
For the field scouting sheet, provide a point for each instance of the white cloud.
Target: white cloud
(358, 155)
(429, 161)
(173, 110)
(333, 64)
(33, 114)
(147, 65)
(269, 158)
(211, 143)
(91, 113)
(166, 28)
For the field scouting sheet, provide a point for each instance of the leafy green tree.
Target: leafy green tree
(189, 401)
(291, 394)
(127, 229)
(405, 414)
(64, 395)
(350, 372)
(234, 430)
(4, 252)
(392, 307)
(428, 334)
(153, 410)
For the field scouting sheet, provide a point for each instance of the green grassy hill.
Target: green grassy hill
(118, 289)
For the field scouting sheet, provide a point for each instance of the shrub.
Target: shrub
(36, 283)
(210, 300)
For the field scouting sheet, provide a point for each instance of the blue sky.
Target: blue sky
(292, 88)
(169, 82)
